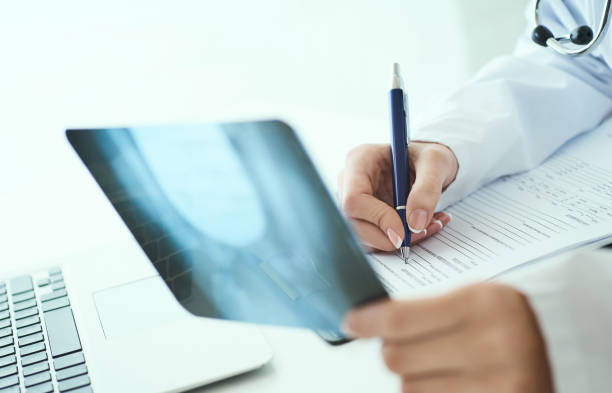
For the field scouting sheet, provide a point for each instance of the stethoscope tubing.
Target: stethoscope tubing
(556, 45)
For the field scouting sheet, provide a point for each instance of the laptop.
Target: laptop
(107, 321)
(228, 222)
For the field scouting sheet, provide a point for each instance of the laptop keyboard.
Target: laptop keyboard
(40, 349)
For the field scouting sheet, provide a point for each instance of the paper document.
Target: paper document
(564, 203)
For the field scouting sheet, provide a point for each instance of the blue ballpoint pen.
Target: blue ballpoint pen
(399, 152)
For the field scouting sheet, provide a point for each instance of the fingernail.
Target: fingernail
(417, 221)
(346, 330)
(439, 223)
(450, 216)
(396, 240)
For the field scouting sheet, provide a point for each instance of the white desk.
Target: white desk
(304, 363)
(68, 63)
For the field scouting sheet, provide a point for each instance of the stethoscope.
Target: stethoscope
(581, 37)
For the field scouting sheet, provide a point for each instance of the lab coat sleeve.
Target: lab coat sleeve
(517, 111)
(572, 299)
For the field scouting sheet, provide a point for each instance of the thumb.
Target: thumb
(425, 193)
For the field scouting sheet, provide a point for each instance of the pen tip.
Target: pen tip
(404, 251)
(396, 69)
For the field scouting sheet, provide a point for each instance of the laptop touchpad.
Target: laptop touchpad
(136, 306)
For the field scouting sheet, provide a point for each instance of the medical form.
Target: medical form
(563, 204)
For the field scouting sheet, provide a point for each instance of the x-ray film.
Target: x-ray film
(235, 219)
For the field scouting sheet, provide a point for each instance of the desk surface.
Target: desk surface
(302, 362)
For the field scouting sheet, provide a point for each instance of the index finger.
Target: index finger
(366, 168)
(404, 320)
(363, 166)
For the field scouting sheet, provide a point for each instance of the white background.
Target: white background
(324, 66)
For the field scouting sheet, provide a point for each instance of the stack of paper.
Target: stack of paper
(563, 204)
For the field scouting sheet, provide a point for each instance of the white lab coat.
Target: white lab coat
(512, 115)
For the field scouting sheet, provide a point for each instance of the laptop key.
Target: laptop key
(3, 306)
(56, 278)
(30, 349)
(73, 383)
(5, 351)
(3, 298)
(68, 360)
(27, 321)
(9, 381)
(26, 313)
(53, 295)
(35, 368)
(6, 341)
(36, 379)
(46, 387)
(34, 358)
(29, 330)
(55, 303)
(71, 372)
(20, 284)
(58, 285)
(12, 389)
(11, 359)
(43, 282)
(5, 323)
(62, 332)
(85, 389)
(23, 305)
(7, 331)
(4, 314)
(23, 297)
(31, 339)
(8, 370)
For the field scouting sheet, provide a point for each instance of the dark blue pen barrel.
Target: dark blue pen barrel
(399, 149)
(407, 236)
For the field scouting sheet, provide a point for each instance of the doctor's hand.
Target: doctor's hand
(482, 338)
(366, 192)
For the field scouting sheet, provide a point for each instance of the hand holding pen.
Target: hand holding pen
(366, 190)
